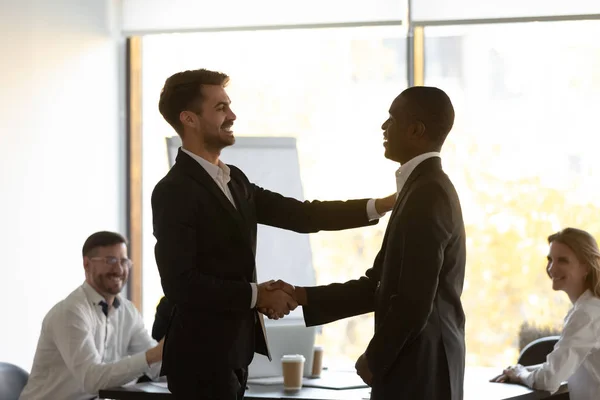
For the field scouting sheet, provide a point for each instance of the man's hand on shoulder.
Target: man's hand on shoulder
(385, 204)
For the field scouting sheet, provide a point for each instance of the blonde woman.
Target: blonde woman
(574, 267)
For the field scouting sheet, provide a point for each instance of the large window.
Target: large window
(328, 88)
(523, 155)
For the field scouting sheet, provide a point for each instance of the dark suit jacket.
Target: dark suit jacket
(414, 287)
(205, 253)
(164, 309)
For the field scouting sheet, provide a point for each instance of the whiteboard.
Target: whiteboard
(271, 163)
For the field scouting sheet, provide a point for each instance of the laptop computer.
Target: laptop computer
(284, 337)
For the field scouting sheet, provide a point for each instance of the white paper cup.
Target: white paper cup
(317, 365)
(292, 366)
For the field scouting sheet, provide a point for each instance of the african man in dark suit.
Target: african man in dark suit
(415, 284)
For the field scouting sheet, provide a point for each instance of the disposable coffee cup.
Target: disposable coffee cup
(292, 366)
(317, 365)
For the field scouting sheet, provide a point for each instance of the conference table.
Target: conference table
(477, 387)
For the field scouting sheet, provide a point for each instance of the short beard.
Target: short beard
(217, 144)
(100, 284)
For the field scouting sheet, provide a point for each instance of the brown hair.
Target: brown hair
(182, 91)
(586, 250)
(101, 239)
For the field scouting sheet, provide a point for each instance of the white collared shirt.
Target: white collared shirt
(221, 175)
(81, 350)
(408, 167)
(576, 355)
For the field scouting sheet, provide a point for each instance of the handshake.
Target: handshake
(276, 299)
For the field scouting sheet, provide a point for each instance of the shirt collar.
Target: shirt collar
(408, 167)
(96, 297)
(583, 298)
(220, 171)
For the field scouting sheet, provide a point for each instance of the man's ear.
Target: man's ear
(417, 130)
(187, 118)
(86, 263)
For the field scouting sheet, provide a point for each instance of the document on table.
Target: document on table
(336, 380)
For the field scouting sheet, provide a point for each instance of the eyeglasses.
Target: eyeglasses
(125, 262)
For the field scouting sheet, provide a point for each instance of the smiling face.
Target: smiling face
(566, 271)
(107, 269)
(212, 124)
(400, 135)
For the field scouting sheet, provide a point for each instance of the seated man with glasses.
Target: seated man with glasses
(93, 339)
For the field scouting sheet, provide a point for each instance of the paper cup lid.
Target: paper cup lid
(293, 358)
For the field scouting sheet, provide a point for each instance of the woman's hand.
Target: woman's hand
(511, 374)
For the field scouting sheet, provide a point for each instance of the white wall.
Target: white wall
(62, 153)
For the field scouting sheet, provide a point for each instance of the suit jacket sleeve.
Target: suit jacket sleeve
(161, 319)
(342, 300)
(309, 216)
(176, 212)
(416, 247)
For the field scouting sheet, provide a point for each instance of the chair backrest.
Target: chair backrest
(536, 351)
(12, 381)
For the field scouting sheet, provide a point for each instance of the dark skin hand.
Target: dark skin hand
(274, 302)
(362, 369)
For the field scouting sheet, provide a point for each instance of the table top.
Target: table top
(477, 387)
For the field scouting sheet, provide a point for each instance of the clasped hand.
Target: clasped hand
(276, 299)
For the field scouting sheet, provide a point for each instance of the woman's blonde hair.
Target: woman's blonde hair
(586, 250)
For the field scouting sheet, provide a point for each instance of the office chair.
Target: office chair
(535, 353)
(12, 381)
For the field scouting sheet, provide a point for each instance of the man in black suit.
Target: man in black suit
(205, 216)
(415, 284)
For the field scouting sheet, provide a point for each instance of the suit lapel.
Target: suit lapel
(201, 176)
(238, 193)
(401, 196)
(403, 192)
(424, 166)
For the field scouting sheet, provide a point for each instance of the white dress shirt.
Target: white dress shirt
(576, 355)
(408, 167)
(221, 175)
(81, 350)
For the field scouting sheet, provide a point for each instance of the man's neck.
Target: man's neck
(109, 298)
(201, 151)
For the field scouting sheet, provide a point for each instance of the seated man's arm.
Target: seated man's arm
(141, 341)
(72, 332)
